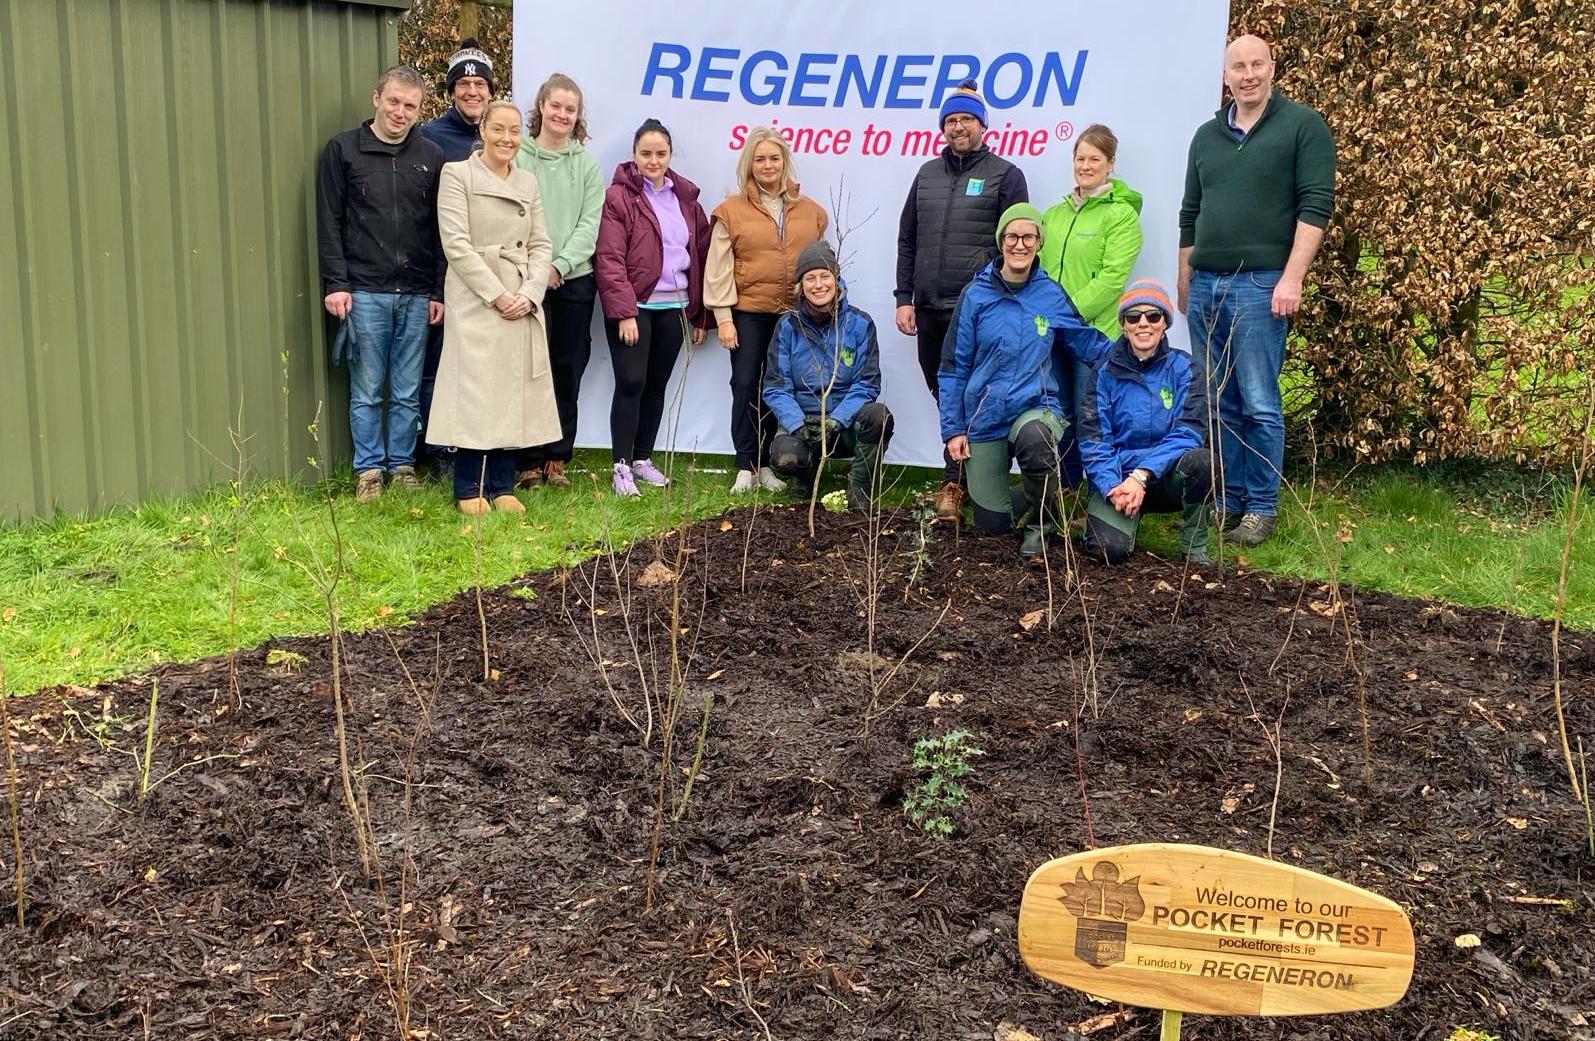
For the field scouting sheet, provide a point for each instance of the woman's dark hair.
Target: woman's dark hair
(652, 126)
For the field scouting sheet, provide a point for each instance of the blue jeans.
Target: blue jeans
(1240, 346)
(391, 332)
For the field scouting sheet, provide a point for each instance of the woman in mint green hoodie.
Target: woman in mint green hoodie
(573, 199)
(1091, 241)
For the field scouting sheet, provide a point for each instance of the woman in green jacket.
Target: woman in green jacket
(1090, 244)
(573, 199)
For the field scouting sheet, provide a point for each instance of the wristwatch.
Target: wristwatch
(1141, 476)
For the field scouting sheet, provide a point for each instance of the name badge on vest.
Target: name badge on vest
(975, 186)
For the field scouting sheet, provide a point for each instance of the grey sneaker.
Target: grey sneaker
(404, 477)
(1253, 530)
(368, 488)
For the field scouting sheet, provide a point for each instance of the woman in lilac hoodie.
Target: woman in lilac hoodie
(652, 242)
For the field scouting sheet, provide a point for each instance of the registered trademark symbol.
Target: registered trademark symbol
(1065, 130)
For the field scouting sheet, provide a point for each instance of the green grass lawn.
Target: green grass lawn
(84, 599)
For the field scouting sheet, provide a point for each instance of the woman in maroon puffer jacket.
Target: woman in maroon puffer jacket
(652, 242)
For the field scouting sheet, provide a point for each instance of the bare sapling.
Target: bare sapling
(325, 573)
(1079, 752)
(13, 798)
(240, 462)
(1580, 793)
(1589, 815)
(476, 541)
(143, 762)
(1272, 736)
(685, 668)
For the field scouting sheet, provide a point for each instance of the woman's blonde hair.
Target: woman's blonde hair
(498, 103)
(756, 137)
(534, 115)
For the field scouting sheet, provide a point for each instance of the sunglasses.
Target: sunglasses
(1152, 317)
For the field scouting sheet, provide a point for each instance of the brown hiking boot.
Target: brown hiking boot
(404, 477)
(369, 487)
(508, 504)
(526, 480)
(554, 474)
(473, 507)
(949, 502)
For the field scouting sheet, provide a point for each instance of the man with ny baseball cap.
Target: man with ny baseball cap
(947, 234)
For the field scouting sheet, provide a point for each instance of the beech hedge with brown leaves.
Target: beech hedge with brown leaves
(1449, 312)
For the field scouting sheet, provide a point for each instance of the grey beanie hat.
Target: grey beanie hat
(816, 255)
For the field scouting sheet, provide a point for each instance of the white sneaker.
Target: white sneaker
(769, 482)
(743, 484)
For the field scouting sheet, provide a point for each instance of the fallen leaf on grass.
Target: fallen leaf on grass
(1467, 940)
(384, 611)
(1031, 619)
(726, 525)
(415, 511)
(656, 574)
(8, 614)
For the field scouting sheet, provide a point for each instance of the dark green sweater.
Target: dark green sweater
(1243, 199)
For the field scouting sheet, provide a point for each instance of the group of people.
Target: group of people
(1037, 347)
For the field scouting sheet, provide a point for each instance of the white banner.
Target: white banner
(857, 85)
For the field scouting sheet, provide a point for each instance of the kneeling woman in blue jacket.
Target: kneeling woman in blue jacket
(1141, 433)
(999, 379)
(822, 380)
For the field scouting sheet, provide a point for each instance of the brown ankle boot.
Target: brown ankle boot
(473, 507)
(508, 504)
(554, 474)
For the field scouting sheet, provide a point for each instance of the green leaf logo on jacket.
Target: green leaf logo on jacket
(848, 354)
(1042, 325)
(1168, 397)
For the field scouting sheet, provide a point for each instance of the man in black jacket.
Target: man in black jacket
(382, 272)
(947, 233)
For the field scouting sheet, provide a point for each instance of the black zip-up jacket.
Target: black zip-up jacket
(948, 230)
(376, 214)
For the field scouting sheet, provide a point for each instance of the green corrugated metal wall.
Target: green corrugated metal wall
(157, 238)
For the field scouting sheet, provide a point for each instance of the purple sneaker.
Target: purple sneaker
(645, 471)
(624, 485)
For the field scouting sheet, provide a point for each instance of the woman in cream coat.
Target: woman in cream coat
(494, 393)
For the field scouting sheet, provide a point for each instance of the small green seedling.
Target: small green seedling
(287, 661)
(930, 804)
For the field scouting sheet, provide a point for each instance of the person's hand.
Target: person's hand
(628, 331)
(958, 448)
(907, 324)
(832, 426)
(1182, 287)
(1287, 297)
(697, 336)
(1128, 496)
(728, 335)
(555, 279)
(434, 312)
(510, 306)
(338, 304)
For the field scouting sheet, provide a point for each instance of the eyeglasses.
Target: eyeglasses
(1153, 317)
(1012, 239)
(959, 121)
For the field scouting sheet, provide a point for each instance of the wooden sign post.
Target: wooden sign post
(1194, 929)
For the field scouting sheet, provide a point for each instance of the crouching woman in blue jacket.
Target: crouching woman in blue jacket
(1141, 435)
(999, 399)
(822, 381)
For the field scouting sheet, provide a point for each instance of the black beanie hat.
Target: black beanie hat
(814, 256)
(469, 60)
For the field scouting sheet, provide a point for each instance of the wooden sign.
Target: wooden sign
(1205, 930)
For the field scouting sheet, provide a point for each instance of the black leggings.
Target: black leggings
(641, 372)
(752, 426)
(568, 317)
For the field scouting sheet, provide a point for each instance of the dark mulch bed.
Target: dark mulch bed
(792, 893)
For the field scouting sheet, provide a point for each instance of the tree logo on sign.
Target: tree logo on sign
(1105, 907)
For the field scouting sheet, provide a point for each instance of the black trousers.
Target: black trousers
(469, 471)
(568, 319)
(752, 426)
(933, 327)
(641, 372)
(436, 456)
